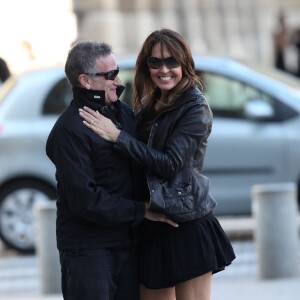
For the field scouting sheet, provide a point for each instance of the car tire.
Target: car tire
(16, 212)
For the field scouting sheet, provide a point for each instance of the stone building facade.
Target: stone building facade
(238, 28)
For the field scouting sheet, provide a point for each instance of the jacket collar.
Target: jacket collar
(96, 101)
(93, 98)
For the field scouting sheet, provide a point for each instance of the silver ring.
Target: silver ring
(92, 122)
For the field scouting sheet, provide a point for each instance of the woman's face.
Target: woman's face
(164, 77)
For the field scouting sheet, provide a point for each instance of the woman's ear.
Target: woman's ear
(84, 80)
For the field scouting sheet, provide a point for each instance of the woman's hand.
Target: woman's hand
(101, 125)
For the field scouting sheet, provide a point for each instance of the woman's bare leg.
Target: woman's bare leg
(198, 288)
(157, 294)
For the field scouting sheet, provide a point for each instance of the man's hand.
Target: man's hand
(157, 217)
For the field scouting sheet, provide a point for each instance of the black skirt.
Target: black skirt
(169, 255)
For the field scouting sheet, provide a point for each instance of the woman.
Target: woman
(174, 121)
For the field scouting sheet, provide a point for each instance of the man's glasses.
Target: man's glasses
(110, 75)
(157, 63)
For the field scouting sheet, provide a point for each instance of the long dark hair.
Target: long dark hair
(145, 91)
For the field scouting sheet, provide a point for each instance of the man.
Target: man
(96, 187)
(4, 71)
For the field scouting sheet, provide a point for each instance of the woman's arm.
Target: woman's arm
(191, 130)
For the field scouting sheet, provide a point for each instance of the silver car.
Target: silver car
(255, 137)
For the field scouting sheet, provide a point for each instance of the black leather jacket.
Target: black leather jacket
(174, 156)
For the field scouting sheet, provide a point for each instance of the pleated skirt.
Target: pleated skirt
(169, 255)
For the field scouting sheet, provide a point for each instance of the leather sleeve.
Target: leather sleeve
(190, 132)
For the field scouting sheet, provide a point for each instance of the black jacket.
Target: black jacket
(174, 156)
(95, 185)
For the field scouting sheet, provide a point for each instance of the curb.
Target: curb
(241, 227)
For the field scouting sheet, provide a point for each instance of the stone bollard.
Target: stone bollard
(47, 253)
(274, 207)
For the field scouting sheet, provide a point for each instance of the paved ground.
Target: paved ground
(20, 275)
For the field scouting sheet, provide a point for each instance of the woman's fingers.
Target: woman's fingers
(91, 111)
(101, 125)
(86, 116)
(90, 115)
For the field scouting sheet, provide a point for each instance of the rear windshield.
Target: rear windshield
(284, 77)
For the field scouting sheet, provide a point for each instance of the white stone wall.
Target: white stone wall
(238, 28)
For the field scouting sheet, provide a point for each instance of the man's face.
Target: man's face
(99, 83)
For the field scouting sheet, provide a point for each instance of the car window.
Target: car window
(126, 76)
(227, 97)
(58, 98)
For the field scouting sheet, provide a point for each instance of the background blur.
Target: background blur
(40, 32)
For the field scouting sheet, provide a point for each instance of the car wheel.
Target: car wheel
(16, 213)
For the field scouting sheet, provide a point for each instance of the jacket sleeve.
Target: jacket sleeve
(70, 153)
(191, 130)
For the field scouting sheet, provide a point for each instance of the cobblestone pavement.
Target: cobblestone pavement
(19, 274)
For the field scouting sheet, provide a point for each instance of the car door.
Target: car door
(54, 102)
(241, 151)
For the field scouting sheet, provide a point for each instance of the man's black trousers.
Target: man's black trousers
(100, 274)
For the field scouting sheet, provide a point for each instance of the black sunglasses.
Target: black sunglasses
(110, 75)
(157, 63)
